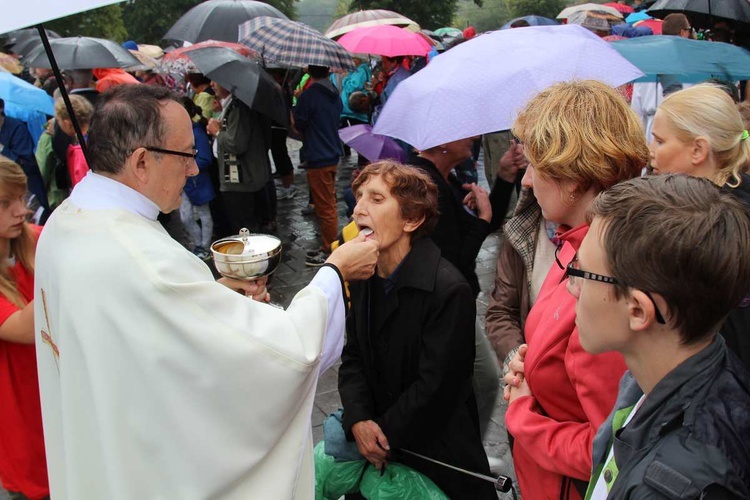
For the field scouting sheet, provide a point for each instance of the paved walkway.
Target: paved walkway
(299, 233)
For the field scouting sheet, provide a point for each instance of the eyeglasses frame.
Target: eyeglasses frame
(579, 273)
(193, 154)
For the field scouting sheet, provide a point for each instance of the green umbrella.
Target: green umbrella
(448, 32)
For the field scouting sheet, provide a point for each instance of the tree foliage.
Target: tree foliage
(546, 8)
(429, 14)
(490, 16)
(105, 22)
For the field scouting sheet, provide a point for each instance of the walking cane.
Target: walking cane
(503, 484)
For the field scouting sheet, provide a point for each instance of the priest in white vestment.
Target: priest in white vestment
(157, 381)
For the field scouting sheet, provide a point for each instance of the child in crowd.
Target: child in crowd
(198, 189)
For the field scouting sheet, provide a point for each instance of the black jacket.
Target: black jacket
(409, 367)
(736, 328)
(689, 439)
(458, 234)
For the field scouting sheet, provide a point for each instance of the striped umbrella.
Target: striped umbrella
(367, 18)
(293, 44)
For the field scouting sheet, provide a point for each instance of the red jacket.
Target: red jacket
(573, 392)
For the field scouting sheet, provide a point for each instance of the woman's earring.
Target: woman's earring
(445, 151)
(572, 198)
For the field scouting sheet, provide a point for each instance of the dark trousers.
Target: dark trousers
(240, 211)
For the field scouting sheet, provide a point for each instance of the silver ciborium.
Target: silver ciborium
(247, 256)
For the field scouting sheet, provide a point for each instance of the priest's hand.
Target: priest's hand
(356, 259)
(371, 442)
(255, 289)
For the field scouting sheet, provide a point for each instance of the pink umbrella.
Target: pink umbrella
(386, 40)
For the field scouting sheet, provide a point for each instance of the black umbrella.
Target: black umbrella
(704, 13)
(244, 78)
(14, 38)
(26, 46)
(218, 20)
(82, 52)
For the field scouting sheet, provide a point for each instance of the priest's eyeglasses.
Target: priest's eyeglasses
(574, 272)
(193, 154)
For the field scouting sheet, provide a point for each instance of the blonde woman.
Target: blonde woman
(23, 467)
(580, 138)
(699, 131)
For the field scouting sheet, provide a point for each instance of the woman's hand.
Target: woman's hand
(515, 392)
(515, 377)
(511, 162)
(255, 289)
(478, 199)
(371, 442)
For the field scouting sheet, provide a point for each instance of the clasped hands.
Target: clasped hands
(515, 380)
(371, 443)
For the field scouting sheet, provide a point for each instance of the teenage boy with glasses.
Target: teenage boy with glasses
(678, 248)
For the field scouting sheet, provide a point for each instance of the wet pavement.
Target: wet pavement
(299, 233)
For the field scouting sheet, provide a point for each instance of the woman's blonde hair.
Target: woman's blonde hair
(584, 133)
(81, 107)
(13, 182)
(707, 111)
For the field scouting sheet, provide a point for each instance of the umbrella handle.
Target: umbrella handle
(63, 91)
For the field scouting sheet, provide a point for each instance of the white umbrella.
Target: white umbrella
(479, 86)
(589, 6)
(22, 14)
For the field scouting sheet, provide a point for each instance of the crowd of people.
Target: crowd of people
(616, 331)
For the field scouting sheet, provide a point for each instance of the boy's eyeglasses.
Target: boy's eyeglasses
(574, 272)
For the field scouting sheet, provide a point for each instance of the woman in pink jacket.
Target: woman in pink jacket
(580, 138)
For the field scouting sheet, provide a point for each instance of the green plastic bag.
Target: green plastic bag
(334, 479)
(399, 482)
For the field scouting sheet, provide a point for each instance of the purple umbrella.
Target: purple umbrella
(374, 147)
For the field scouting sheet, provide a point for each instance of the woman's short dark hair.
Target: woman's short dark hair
(126, 117)
(414, 190)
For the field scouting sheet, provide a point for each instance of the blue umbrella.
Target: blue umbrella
(532, 20)
(690, 60)
(20, 94)
(637, 16)
(26, 103)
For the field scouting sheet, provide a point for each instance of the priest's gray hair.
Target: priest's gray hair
(126, 117)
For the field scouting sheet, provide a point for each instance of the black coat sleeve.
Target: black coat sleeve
(452, 224)
(356, 396)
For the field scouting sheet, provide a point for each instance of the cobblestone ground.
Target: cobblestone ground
(299, 233)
